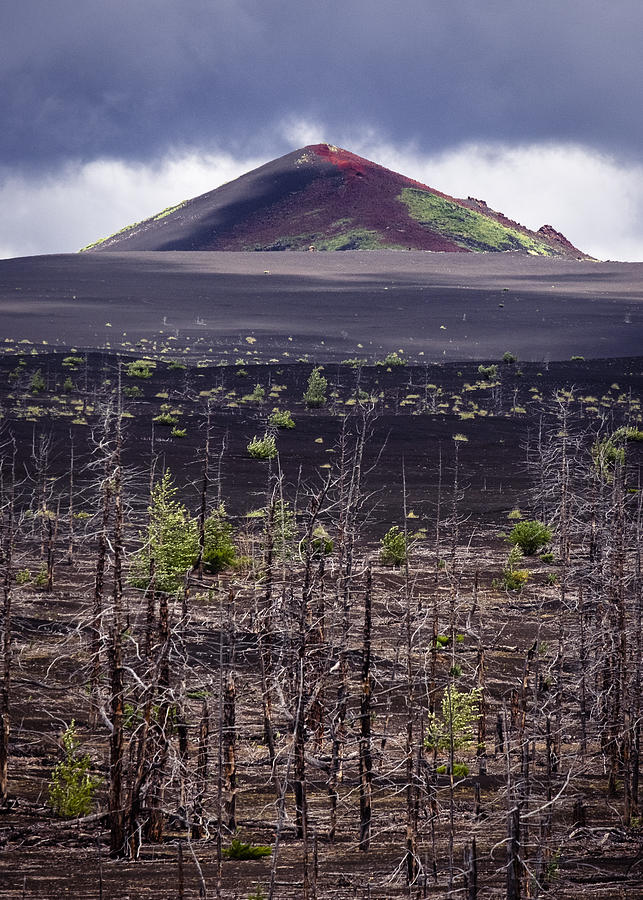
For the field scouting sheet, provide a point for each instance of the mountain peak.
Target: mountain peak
(324, 197)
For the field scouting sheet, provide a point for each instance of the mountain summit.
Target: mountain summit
(324, 198)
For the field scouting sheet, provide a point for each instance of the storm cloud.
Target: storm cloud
(133, 79)
(148, 82)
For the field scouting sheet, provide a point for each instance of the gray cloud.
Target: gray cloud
(135, 80)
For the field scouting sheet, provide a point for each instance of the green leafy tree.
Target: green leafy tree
(37, 384)
(316, 391)
(513, 578)
(281, 418)
(219, 551)
(460, 711)
(393, 547)
(71, 789)
(530, 536)
(171, 541)
(262, 448)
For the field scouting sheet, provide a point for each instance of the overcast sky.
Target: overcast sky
(113, 110)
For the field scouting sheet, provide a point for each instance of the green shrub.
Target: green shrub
(393, 548)
(171, 541)
(238, 849)
(71, 789)
(257, 396)
(315, 395)
(165, 418)
(40, 578)
(37, 383)
(140, 368)
(263, 448)
(132, 391)
(23, 577)
(547, 557)
(515, 515)
(609, 452)
(68, 385)
(219, 551)
(392, 360)
(281, 418)
(176, 366)
(179, 432)
(322, 544)
(513, 578)
(488, 371)
(460, 711)
(530, 536)
(460, 770)
(509, 358)
(72, 362)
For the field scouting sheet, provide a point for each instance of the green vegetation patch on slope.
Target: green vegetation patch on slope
(466, 227)
(161, 215)
(350, 239)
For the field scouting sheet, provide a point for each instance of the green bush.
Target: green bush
(257, 396)
(238, 849)
(140, 368)
(281, 418)
(530, 536)
(71, 789)
(262, 448)
(391, 360)
(315, 395)
(132, 391)
(37, 383)
(71, 362)
(179, 432)
(460, 712)
(609, 452)
(488, 371)
(171, 541)
(219, 551)
(509, 358)
(176, 366)
(460, 770)
(393, 548)
(513, 578)
(23, 577)
(165, 418)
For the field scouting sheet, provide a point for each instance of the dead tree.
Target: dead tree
(365, 749)
(7, 501)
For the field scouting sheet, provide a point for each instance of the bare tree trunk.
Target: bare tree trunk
(70, 508)
(205, 482)
(99, 585)
(365, 754)
(5, 685)
(117, 824)
(229, 752)
(201, 775)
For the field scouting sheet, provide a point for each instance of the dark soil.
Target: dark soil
(326, 306)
